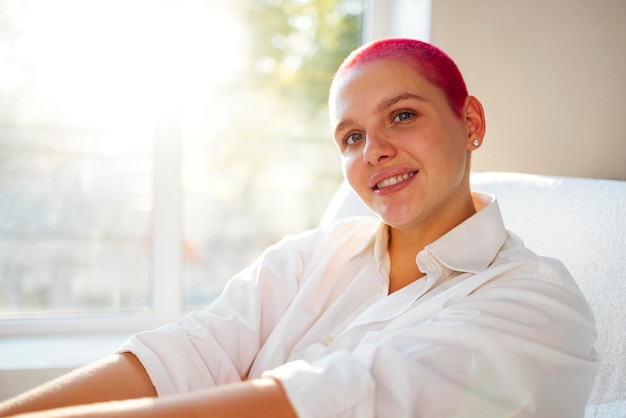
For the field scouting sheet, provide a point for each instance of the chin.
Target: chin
(396, 220)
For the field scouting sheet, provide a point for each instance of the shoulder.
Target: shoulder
(525, 275)
(527, 263)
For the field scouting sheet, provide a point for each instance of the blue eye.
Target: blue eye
(352, 138)
(403, 116)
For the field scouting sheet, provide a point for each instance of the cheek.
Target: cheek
(346, 166)
(350, 170)
(443, 144)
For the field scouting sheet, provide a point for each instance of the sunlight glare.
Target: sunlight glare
(97, 67)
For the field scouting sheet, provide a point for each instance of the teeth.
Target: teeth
(394, 180)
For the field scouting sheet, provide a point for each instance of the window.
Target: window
(150, 149)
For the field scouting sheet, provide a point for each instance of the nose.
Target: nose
(377, 149)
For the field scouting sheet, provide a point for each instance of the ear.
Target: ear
(474, 122)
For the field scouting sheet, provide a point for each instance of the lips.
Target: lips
(390, 178)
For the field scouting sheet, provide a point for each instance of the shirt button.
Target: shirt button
(328, 340)
(381, 289)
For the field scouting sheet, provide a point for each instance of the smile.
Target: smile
(394, 180)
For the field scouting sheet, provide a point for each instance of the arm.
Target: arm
(115, 378)
(232, 319)
(259, 398)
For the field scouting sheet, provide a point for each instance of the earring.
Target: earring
(476, 142)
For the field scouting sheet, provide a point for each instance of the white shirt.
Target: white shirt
(492, 330)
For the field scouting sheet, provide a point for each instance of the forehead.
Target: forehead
(365, 84)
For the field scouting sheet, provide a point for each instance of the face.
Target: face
(404, 151)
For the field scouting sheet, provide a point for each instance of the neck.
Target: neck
(405, 243)
(416, 237)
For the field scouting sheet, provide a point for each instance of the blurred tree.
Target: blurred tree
(297, 45)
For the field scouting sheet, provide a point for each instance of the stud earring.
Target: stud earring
(476, 142)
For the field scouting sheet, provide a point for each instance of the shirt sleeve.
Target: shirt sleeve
(218, 344)
(519, 346)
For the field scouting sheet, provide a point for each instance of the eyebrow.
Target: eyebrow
(389, 102)
(341, 126)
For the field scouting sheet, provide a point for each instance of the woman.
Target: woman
(434, 310)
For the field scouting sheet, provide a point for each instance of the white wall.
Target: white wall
(552, 77)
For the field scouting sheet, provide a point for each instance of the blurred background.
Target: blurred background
(126, 124)
(552, 77)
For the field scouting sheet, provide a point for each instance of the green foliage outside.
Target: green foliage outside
(298, 44)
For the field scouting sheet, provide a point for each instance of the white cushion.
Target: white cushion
(580, 221)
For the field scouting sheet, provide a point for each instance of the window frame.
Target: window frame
(381, 18)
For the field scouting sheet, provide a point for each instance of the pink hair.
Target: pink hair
(432, 63)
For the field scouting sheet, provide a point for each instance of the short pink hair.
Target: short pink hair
(431, 62)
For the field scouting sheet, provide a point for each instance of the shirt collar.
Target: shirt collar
(378, 238)
(469, 247)
(472, 245)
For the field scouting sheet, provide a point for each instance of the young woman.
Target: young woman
(433, 310)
